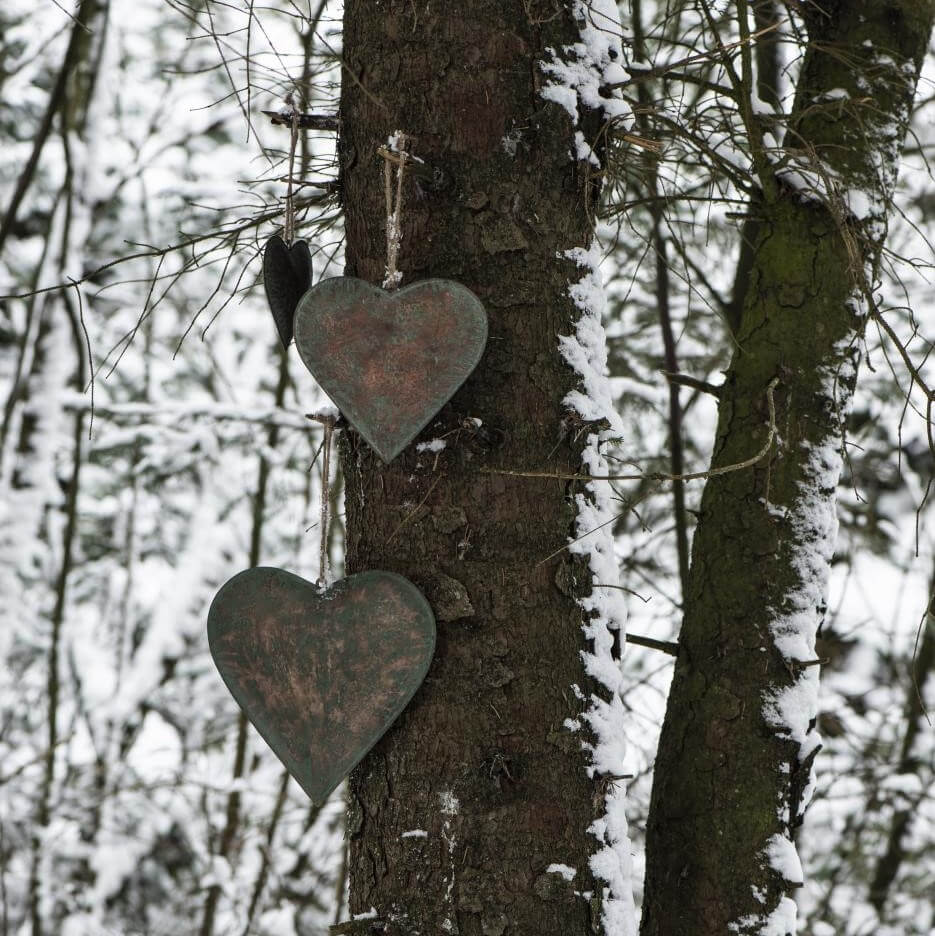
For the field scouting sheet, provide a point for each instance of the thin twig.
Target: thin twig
(645, 599)
(877, 316)
(351, 73)
(657, 475)
(639, 74)
(222, 235)
(304, 121)
(74, 19)
(687, 381)
(415, 509)
(630, 505)
(87, 341)
(666, 646)
(174, 412)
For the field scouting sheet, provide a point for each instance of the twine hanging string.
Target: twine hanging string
(288, 227)
(395, 156)
(325, 519)
(328, 421)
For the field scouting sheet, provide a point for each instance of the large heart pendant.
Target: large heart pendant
(390, 360)
(322, 674)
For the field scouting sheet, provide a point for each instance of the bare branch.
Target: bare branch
(660, 476)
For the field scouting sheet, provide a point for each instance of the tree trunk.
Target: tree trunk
(457, 815)
(733, 770)
(904, 816)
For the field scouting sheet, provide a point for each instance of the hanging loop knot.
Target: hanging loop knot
(395, 155)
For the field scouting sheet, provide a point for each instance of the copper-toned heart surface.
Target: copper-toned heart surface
(322, 674)
(390, 360)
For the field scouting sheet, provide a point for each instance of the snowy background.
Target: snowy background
(197, 422)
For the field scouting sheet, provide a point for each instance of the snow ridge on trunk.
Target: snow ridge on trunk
(605, 609)
(578, 75)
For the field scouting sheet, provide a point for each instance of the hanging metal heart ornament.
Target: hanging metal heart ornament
(287, 275)
(390, 360)
(321, 673)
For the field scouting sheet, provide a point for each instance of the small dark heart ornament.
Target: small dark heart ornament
(321, 673)
(390, 360)
(287, 274)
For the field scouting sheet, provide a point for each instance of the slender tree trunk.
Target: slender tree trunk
(914, 716)
(272, 827)
(76, 66)
(53, 686)
(70, 100)
(4, 898)
(733, 770)
(479, 769)
(659, 245)
(232, 816)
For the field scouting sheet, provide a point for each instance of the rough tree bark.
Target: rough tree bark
(479, 761)
(735, 754)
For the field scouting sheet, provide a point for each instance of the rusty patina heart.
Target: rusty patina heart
(390, 360)
(321, 673)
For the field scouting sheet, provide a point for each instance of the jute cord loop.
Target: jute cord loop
(394, 159)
